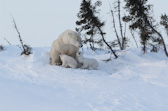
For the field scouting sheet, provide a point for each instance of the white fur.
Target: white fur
(68, 39)
(68, 61)
(87, 62)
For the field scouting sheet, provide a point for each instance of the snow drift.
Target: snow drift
(133, 82)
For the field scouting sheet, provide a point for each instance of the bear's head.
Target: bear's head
(79, 54)
(74, 39)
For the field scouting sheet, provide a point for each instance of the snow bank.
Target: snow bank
(133, 82)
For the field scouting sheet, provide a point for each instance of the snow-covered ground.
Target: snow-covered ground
(133, 82)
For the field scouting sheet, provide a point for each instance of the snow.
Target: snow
(133, 82)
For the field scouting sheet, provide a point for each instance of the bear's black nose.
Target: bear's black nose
(81, 45)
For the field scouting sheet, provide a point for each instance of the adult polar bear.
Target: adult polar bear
(68, 43)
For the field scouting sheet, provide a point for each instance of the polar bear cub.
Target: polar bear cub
(68, 61)
(87, 62)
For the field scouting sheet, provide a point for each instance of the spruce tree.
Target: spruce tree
(164, 22)
(140, 18)
(90, 22)
(139, 12)
(85, 15)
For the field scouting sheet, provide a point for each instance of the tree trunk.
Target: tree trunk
(121, 31)
(115, 30)
(164, 45)
(134, 38)
(106, 42)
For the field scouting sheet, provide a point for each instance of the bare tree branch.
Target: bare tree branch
(7, 41)
(15, 26)
(121, 31)
(25, 48)
(102, 34)
(134, 37)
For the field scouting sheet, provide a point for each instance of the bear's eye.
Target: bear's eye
(76, 39)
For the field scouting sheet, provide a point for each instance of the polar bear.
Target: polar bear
(68, 61)
(68, 43)
(69, 49)
(87, 62)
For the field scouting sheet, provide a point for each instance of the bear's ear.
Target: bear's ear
(70, 34)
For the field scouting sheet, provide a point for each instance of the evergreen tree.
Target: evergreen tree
(139, 12)
(164, 22)
(140, 18)
(87, 11)
(90, 23)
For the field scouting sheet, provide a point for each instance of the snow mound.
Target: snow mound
(133, 82)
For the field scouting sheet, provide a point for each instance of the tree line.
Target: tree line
(140, 20)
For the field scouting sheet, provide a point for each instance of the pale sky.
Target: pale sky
(41, 21)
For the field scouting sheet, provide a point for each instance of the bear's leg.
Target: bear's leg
(79, 65)
(66, 66)
(52, 62)
(63, 64)
(73, 66)
(94, 67)
(55, 60)
(84, 66)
